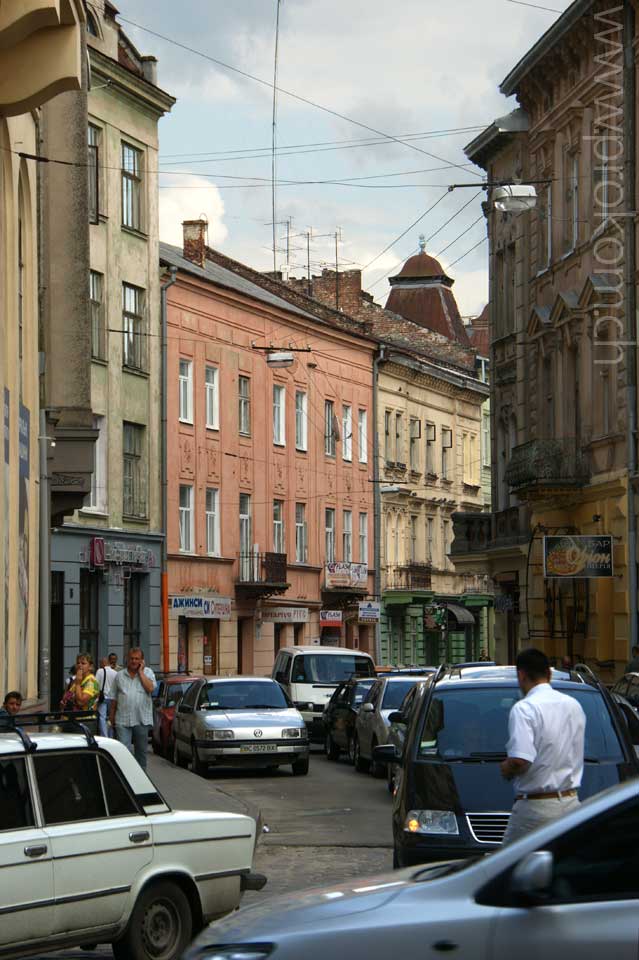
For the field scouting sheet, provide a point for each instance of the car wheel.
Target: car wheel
(160, 927)
(360, 764)
(397, 860)
(330, 747)
(391, 779)
(300, 767)
(178, 759)
(197, 765)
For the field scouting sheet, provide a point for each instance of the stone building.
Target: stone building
(560, 354)
(106, 558)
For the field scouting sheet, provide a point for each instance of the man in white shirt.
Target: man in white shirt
(545, 748)
(105, 677)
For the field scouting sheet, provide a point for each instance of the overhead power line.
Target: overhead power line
(535, 6)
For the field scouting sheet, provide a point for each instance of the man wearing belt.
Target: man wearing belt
(545, 748)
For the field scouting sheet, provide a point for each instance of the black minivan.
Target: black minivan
(451, 800)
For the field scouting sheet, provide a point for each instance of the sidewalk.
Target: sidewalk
(186, 791)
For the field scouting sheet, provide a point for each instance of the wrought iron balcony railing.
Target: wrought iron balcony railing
(548, 463)
(261, 574)
(410, 576)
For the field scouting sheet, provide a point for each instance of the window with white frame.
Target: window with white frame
(133, 327)
(388, 439)
(399, 438)
(329, 428)
(279, 544)
(447, 453)
(98, 495)
(415, 437)
(212, 397)
(301, 548)
(131, 187)
(213, 522)
(474, 459)
(465, 458)
(329, 527)
(246, 538)
(186, 391)
(430, 538)
(363, 538)
(279, 414)
(362, 435)
(347, 432)
(347, 536)
(133, 471)
(244, 389)
(93, 165)
(98, 338)
(431, 442)
(301, 420)
(186, 519)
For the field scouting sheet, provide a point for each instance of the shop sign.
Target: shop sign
(341, 574)
(205, 608)
(331, 618)
(285, 615)
(578, 557)
(369, 612)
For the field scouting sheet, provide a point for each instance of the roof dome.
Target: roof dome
(421, 266)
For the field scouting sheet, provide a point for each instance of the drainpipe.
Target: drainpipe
(377, 503)
(164, 473)
(629, 94)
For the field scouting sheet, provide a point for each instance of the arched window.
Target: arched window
(92, 24)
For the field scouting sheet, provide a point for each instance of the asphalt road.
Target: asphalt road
(324, 828)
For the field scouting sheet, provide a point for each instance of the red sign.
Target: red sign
(97, 552)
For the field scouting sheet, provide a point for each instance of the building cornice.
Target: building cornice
(137, 88)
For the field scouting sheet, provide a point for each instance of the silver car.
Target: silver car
(373, 725)
(246, 721)
(566, 891)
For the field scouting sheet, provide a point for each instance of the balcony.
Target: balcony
(472, 533)
(343, 577)
(261, 575)
(409, 578)
(547, 467)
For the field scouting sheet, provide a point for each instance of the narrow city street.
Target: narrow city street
(323, 828)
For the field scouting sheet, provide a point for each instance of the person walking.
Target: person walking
(545, 749)
(633, 665)
(131, 711)
(105, 677)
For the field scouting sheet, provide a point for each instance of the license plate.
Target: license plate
(259, 748)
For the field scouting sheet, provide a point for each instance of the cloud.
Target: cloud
(193, 198)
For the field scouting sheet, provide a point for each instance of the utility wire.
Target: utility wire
(274, 133)
(535, 6)
(407, 230)
(463, 234)
(483, 240)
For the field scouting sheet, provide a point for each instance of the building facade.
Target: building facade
(106, 559)
(42, 61)
(270, 508)
(560, 352)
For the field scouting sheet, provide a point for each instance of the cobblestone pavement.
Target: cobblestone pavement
(324, 828)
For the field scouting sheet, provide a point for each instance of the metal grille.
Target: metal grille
(488, 827)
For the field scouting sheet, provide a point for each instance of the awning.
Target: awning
(461, 614)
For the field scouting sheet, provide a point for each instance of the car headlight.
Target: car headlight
(431, 821)
(237, 953)
(220, 735)
(294, 733)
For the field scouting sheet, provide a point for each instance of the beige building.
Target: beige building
(41, 57)
(107, 556)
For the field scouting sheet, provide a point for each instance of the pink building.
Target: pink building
(270, 504)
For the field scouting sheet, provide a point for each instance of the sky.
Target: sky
(421, 69)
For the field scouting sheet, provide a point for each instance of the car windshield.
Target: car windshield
(361, 689)
(395, 692)
(330, 669)
(471, 724)
(245, 695)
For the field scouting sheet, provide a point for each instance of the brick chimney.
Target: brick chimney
(347, 285)
(194, 241)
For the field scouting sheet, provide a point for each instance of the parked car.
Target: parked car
(451, 800)
(340, 715)
(567, 890)
(310, 674)
(250, 721)
(399, 721)
(628, 687)
(372, 725)
(108, 860)
(169, 691)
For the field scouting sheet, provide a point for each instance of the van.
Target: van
(310, 675)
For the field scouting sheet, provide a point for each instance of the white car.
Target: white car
(91, 853)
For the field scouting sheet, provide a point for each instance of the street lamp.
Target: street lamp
(280, 357)
(506, 196)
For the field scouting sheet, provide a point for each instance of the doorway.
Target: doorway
(183, 645)
(57, 673)
(245, 645)
(210, 640)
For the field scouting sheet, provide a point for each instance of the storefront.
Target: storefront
(194, 631)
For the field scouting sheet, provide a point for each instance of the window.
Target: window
(16, 811)
(98, 346)
(388, 446)
(473, 464)
(544, 239)
(574, 201)
(70, 788)
(430, 538)
(301, 417)
(98, 495)
(279, 543)
(446, 539)
(212, 398)
(399, 438)
(362, 435)
(413, 538)
(89, 612)
(186, 518)
(602, 173)
(329, 428)
(300, 533)
(605, 402)
(131, 187)
(131, 627)
(548, 398)
(133, 474)
(329, 525)
(347, 536)
(431, 437)
(213, 522)
(93, 168)
(447, 445)
(134, 352)
(347, 432)
(92, 26)
(244, 387)
(485, 439)
(186, 391)
(279, 415)
(246, 537)
(363, 538)
(119, 801)
(415, 437)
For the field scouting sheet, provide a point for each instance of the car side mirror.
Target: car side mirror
(397, 717)
(367, 708)
(532, 876)
(387, 753)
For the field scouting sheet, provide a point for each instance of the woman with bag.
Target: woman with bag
(83, 690)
